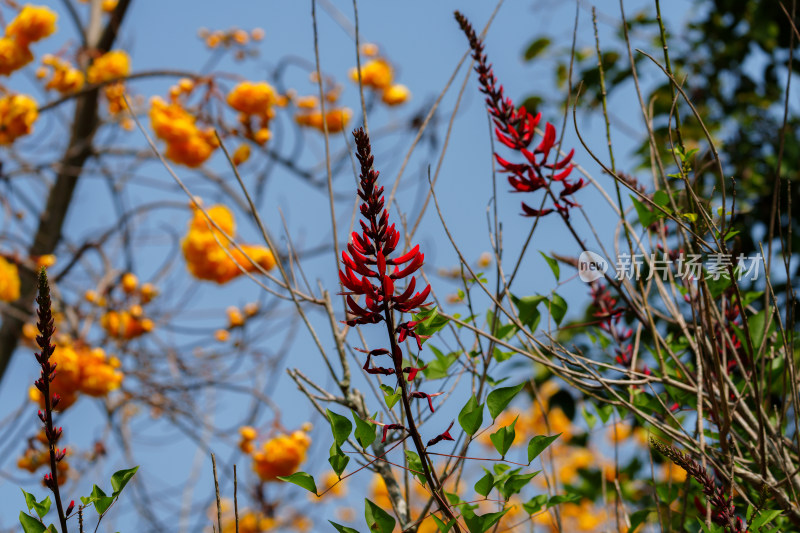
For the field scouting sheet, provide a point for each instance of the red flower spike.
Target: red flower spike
(515, 128)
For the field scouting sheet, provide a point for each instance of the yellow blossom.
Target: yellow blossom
(252, 98)
(241, 155)
(235, 317)
(210, 255)
(395, 95)
(281, 455)
(9, 281)
(111, 65)
(17, 114)
(129, 282)
(81, 370)
(375, 73)
(13, 56)
(369, 49)
(32, 24)
(337, 119)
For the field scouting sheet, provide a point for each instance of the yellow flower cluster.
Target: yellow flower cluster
(211, 256)
(280, 455)
(130, 322)
(64, 78)
(575, 517)
(17, 114)
(32, 24)
(186, 143)
(233, 37)
(109, 66)
(377, 74)
(236, 319)
(81, 370)
(310, 114)
(112, 65)
(9, 281)
(126, 323)
(255, 102)
(250, 521)
(337, 119)
(332, 486)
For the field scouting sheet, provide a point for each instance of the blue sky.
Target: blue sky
(424, 41)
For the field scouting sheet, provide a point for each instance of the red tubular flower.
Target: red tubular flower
(515, 128)
(429, 397)
(412, 371)
(444, 436)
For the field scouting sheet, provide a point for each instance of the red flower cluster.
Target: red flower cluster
(370, 270)
(369, 258)
(515, 128)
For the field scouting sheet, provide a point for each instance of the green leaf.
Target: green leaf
(638, 518)
(527, 310)
(340, 426)
(415, 463)
(563, 498)
(591, 420)
(516, 483)
(482, 523)
(430, 322)
(503, 438)
(366, 432)
(30, 524)
(535, 504)
(538, 444)
(41, 508)
(764, 518)
(338, 460)
(553, 265)
(378, 520)
(536, 47)
(498, 399)
(439, 367)
(485, 484)
(301, 479)
(100, 500)
(558, 308)
(661, 199)
(443, 528)
(646, 215)
(471, 416)
(390, 396)
(605, 411)
(121, 478)
(342, 529)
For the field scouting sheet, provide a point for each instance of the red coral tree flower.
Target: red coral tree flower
(516, 128)
(371, 269)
